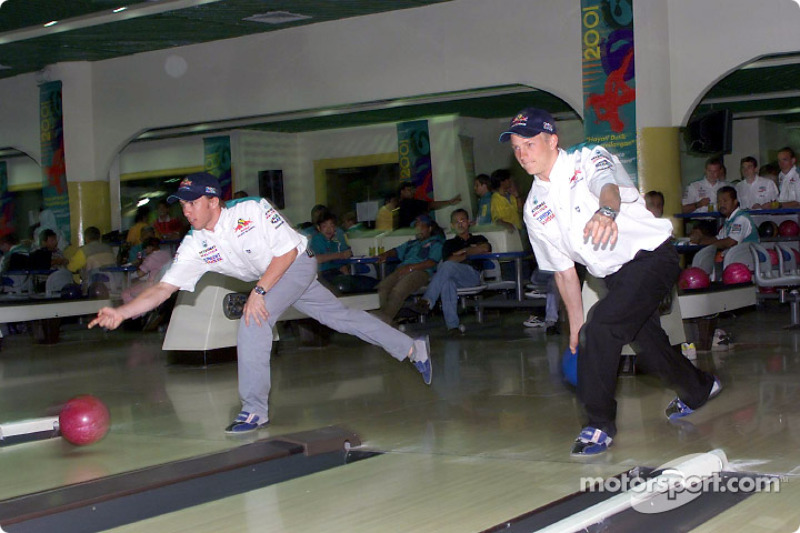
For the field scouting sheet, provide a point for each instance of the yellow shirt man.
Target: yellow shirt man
(504, 208)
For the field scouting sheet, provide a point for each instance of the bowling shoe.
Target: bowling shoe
(245, 422)
(420, 356)
(591, 441)
(677, 409)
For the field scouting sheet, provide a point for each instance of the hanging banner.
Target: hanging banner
(609, 83)
(55, 195)
(414, 150)
(217, 162)
(6, 203)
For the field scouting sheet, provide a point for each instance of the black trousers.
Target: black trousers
(628, 314)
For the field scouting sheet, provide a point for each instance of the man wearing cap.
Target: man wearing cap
(418, 260)
(250, 240)
(583, 208)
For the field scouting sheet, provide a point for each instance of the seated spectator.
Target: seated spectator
(155, 259)
(48, 255)
(788, 179)
(11, 245)
(754, 191)
(737, 227)
(770, 172)
(654, 201)
(310, 228)
(93, 254)
(136, 252)
(411, 207)
(419, 258)
(329, 244)
(483, 190)
(168, 228)
(386, 220)
(505, 207)
(455, 272)
(140, 221)
(699, 195)
(350, 223)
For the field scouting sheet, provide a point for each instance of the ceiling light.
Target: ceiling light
(276, 17)
(119, 9)
(4, 67)
(51, 23)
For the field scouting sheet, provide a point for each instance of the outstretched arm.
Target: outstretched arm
(112, 317)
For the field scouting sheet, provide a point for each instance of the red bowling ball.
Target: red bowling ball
(84, 420)
(789, 228)
(736, 273)
(773, 256)
(693, 278)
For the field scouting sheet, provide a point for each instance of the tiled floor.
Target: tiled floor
(489, 440)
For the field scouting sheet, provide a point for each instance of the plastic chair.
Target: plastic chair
(704, 259)
(787, 259)
(764, 275)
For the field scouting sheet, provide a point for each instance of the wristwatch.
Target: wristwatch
(607, 212)
(258, 289)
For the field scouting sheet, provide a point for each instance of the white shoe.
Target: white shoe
(534, 322)
(535, 293)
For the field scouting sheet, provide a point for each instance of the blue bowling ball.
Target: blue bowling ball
(569, 366)
(71, 291)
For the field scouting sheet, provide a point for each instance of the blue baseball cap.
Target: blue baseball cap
(529, 122)
(194, 186)
(425, 219)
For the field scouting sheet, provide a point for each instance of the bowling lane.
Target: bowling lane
(497, 400)
(393, 492)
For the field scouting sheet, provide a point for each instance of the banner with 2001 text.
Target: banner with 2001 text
(609, 82)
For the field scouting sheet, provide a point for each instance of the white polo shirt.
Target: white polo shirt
(761, 191)
(557, 211)
(247, 236)
(702, 188)
(790, 186)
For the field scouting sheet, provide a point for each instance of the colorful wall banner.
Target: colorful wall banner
(55, 195)
(6, 203)
(609, 82)
(414, 150)
(217, 151)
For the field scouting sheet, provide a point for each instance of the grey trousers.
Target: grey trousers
(299, 288)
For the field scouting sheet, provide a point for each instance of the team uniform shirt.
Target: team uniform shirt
(761, 191)
(700, 189)
(557, 211)
(790, 186)
(484, 209)
(739, 227)
(321, 245)
(416, 251)
(505, 208)
(248, 235)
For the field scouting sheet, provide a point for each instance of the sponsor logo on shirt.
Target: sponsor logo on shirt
(601, 162)
(210, 255)
(242, 227)
(575, 179)
(542, 213)
(274, 218)
(736, 228)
